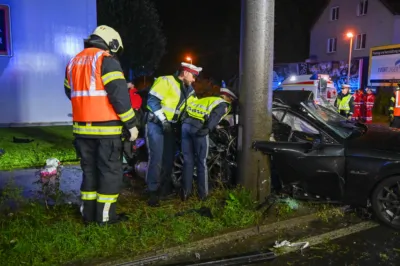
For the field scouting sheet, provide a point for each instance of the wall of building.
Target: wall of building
(378, 24)
(45, 35)
(396, 30)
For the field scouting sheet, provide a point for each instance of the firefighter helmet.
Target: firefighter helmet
(111, 37)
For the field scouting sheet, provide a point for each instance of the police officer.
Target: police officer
(96, 86)
(203, 115)
(394, 108)
(166, 102)
(344, 102)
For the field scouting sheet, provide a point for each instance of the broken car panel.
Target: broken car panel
(321, 153)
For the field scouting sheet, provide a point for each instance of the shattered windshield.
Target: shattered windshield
(332, 119)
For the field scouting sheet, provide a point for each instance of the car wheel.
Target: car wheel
(386, 201)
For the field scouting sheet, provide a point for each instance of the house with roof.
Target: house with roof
(372, 23)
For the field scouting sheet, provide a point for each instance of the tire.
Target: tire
(385, 201)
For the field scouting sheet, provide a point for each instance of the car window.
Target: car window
(295, 122)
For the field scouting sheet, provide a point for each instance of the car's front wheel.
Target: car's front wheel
(386, 201)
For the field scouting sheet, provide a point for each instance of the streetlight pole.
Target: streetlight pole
(255, 95)
(349, 35)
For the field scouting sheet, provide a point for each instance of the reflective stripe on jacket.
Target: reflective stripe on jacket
(168, 90)
(202, 108)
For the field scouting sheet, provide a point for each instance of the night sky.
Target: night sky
(209, 31)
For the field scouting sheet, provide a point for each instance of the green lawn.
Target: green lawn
(34, 235)
(54, 141)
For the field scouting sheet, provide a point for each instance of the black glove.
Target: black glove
(202, 132)
(166, 126)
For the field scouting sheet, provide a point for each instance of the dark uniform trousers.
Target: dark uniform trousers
(396, 122)
(161, 148)
(102, 177)
(195, 152)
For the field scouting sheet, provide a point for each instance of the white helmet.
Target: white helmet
(110, 36)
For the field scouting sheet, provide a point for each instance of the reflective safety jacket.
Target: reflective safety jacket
(97, 88)
(201, 108)
(394, 108)
(345, 103)
(168, 90)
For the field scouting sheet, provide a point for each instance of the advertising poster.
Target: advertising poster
(5, 31)
(384, 65)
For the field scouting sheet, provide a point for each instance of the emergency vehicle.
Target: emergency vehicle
(322, 87)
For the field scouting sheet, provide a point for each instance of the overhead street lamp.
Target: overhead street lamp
(189, 59)
(349, 35)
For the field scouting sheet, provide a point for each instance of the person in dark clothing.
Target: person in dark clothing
(166, 102)
(95, 84)
(203, 116)
(345, 102)
(394, 109)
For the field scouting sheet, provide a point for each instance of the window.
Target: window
(335, 13)
(331, 47)
(362, 8)
(361, 40)
(295, 122)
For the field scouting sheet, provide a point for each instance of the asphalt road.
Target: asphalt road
(375, 246)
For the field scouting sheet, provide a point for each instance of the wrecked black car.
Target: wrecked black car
(319, 154)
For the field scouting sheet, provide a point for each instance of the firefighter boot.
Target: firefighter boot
(88, 211)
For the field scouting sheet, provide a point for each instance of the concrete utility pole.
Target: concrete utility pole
(255, 100)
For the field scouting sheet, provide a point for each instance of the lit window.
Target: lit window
(331, 46)
(335, 13)
(361, 40)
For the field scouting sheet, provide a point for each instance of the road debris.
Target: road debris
(286, 243)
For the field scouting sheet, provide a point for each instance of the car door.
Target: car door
(309, 157)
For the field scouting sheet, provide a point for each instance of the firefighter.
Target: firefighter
(394, 108)
(358, 105)
(96, 86)
(369, 105)
(166, 102)
(203, 115)
(344, 102)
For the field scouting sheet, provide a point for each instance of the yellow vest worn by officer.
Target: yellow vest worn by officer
(201, 108)
(167, 89)
(344, 103)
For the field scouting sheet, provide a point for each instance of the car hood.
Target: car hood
(377, 137)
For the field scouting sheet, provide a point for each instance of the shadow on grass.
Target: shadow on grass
(52, 135)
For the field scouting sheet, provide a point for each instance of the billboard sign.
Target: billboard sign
(384, 68)
(5, 31)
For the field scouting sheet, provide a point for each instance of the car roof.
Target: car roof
(292, 98)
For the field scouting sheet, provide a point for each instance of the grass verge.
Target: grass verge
(31, 234)
(49, 142)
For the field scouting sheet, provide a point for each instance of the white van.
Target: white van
(321, 86)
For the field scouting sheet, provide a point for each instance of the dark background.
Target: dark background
(209, 31)
(159, 34)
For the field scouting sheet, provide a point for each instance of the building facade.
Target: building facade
(372, 22)
(37, 39)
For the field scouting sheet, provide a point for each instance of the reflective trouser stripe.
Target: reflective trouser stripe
(106, 212)
(88, 195)
(107, 198)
